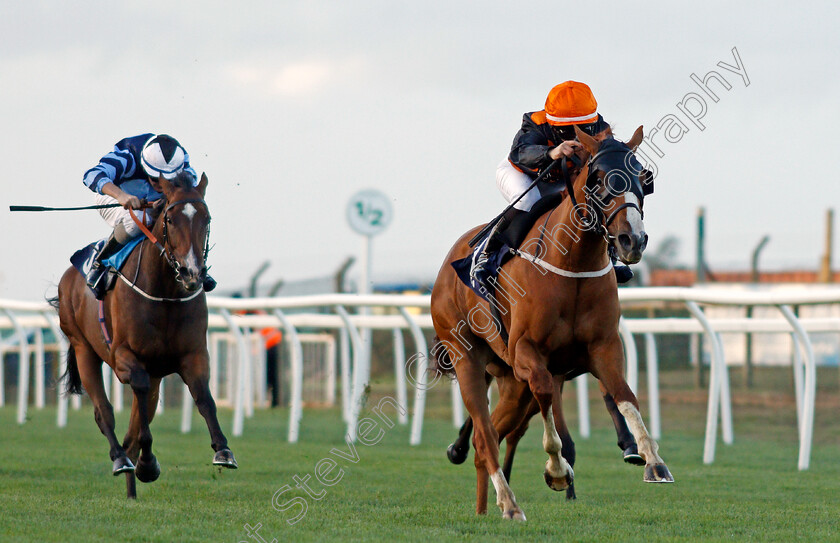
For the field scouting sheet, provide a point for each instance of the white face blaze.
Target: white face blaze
(191, 263)
(190, 211)
(634, 218)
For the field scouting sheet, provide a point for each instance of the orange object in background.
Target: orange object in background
(271, 336)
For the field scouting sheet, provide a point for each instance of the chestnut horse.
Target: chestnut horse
(156, 317)
(565, 324)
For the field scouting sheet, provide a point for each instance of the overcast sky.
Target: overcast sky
(292, 106)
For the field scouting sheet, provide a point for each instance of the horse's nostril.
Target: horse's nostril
(644, 242)
(625, 241)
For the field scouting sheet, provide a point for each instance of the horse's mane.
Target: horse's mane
(184, 180)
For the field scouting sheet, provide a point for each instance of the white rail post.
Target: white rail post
(652, 358)
(296, 404)
(725, 395)
(2, 371)
(810, 392)
(186, 409)
(582, 384)
(23, 367)
(458, 403)
(420, 392)
(242, 374)
(346, 386)
(161, 396)
(399, 373)
(61, 395)
(717, 368)
(40, 367)
(631, 355)
(361, 374)
(798, 378)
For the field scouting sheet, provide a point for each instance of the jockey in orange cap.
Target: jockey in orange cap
(544, 137)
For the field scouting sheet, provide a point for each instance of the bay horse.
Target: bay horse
(153, 323)
(564, 325)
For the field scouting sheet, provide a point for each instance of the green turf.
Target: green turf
(55, 485)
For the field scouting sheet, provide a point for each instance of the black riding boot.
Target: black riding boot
(209, 283)
(494, 242)
(96, 278)
(623, 273)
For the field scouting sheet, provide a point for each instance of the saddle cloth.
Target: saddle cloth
(82, 259)
(496, 260)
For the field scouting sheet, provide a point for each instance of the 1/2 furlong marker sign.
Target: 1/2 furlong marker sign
(369, 212)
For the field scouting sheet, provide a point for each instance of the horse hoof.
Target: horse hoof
(632, 456)
(147, 471)
(570, 492)
(514, 514)
(122, 465)
(225, 459)
(456, 455)
(559, 483)
(658, 473)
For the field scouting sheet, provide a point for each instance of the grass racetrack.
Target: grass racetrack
(55, 485)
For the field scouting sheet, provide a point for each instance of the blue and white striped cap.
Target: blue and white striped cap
(163, 156)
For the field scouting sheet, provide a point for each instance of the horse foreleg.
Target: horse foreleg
(608, 366)
(90, 371)
(195, 371)
(530, 365)
(625, 439)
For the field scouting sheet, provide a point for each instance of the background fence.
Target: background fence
(326, 350)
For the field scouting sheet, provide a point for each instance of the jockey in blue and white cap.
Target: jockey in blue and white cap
(128, 175)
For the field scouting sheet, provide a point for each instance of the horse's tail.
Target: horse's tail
(441, 361)
(73, 381)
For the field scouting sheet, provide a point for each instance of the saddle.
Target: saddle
(513, 236)
(82, 259)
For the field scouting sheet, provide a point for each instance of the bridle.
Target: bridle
(166, 251)
(604, 160)
(163, 245)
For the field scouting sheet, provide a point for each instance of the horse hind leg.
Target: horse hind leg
(458, 451)
(138, 439)
(89, 367)
(568, 448)
(472, 381)
(131, 442)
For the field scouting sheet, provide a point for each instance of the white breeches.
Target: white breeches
(119, 215)
(512, 183)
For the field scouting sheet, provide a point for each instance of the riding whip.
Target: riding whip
(41, 208)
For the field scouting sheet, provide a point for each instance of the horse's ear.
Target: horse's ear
(164, 183)
(202, 185)
(637, 138)
(589, 143)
